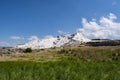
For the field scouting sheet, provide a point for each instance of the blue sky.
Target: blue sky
(21, 19)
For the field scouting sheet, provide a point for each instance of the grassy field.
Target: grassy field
(82, 63)
(60, 70)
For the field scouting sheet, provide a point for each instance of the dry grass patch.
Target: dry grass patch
(46, 56)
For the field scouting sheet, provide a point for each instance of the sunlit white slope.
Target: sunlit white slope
(79, 37)
(39, 44)
(55, 41)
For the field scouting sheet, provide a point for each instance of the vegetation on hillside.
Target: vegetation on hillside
(28, 50)
(93, 53)
(81, 63)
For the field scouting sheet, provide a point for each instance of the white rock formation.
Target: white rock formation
(79, 37)
(50, 42)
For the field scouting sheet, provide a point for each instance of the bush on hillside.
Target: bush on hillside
(28, 50)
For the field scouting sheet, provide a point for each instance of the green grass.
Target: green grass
(83, 63)
(60, 70)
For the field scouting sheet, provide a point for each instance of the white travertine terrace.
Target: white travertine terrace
(54, 41)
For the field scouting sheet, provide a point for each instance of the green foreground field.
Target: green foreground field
(89, 63)
(60, 70)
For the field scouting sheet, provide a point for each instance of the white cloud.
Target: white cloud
(112, 16)
(4, 44)
(48, 37)
(16, 37)
(62, 32)
(106, 27)
(33, 38)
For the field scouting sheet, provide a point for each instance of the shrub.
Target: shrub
(63, 51)
(42, 49)
(3, 48)
(28, 50)
(53, 48)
